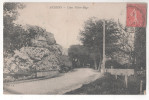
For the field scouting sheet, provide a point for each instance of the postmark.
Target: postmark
(136, 15)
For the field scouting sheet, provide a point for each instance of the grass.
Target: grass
(110, 85)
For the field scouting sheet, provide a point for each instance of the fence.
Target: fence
(126, 73)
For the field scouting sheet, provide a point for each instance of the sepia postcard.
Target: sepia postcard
(74, 48)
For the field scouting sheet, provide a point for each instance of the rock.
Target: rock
(43, 55)
(6, 71)
(57, 49)
(49, 63)
(50, 38)
(35, 53)
(43, 40)
(17, 63)
(36, 43)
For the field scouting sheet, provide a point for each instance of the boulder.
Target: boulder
(43, 40)
(50, 38)
(36, 43)
(57, 49)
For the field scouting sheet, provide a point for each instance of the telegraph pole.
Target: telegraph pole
(103, 59)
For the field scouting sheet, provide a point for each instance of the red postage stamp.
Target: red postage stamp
(136, 15)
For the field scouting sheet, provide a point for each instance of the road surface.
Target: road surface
(58, 85)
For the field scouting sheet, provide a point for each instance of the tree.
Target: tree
(92, 38)
(13, 33)
(79, 55)
(133, 43)
(140, 48)
(126, 44)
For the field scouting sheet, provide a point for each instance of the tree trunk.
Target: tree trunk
(79, 65)
(83, 64)
(95, 63)
(100, 62)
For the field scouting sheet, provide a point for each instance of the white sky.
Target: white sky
(66, 23)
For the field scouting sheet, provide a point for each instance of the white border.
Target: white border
(74, 0)
(69, 97)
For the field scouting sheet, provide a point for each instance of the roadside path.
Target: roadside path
(58, 85)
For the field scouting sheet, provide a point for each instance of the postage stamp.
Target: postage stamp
(136, 15)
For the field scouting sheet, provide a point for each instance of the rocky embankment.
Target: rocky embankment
(42, 55)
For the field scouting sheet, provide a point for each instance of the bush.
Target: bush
(113, 63)
(66, 64)
(110, 85)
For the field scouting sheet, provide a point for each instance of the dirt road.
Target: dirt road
(58, 85)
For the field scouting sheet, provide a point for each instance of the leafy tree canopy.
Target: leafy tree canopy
(92, 35)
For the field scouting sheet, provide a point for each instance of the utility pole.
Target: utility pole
(103, 59)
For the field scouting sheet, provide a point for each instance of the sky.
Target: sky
(65, 20)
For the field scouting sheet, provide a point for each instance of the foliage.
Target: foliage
(78, 53)
(133, 44)
(77, 50)
(17, 36)
(66, 63)
(110, 85)
(92, 37)
(140, 48)
(113, 63)
(12, 33)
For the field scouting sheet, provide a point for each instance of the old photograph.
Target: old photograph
(69, 48)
